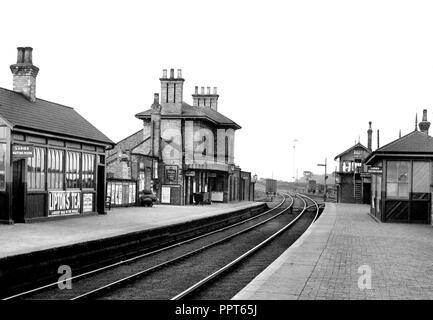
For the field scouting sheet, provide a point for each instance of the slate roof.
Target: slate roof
(413, 143)
(358, 145)
(189, 111)
(48, 117)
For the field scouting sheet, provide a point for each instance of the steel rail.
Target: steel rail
(113, 265)
(181, 257)
(217, 273)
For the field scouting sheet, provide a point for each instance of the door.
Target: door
(18, 191)
(100, 190)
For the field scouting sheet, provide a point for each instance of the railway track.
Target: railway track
(150, 275)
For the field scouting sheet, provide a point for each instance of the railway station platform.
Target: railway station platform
(347, 254)
(30, 237)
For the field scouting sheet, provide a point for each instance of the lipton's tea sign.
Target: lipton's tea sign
(64, 202)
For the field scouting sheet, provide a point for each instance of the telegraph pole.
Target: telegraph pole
(324, 165)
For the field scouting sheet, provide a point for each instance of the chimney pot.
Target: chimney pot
(214, 90)
(164, 73)
(20, 55)
(171, 73)
(202, 90)
(369, 137)
(208, 90)
(424, 125)
(179, 73)
(196, 89)
(28, 55)
(156, 97)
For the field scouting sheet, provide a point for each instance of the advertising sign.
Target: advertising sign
(64, 202)
(165, 194)
(22, 151)
(87, 202)
(171, 174)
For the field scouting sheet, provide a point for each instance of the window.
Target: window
(2, 166)
(397, 179)
(226, 150)
(421, 177)
(36, 170)
(55, 169)
(2, 132)
(88, 171)
(155, 169)
(72, 169)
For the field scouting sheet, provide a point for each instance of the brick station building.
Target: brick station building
(52, 160)
(183, 149)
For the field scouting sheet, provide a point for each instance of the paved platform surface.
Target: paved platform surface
(324, 262)
(23, 238)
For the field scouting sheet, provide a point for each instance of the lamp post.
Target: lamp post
(324, 165)
(294, 160)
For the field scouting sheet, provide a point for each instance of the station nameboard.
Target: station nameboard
(22, 151)
(374, 170)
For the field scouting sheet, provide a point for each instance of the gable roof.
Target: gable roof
(189, 111)
(47, 117)
(358, 145)
(413, 143)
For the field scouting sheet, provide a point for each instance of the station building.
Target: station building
(129, 170)
(402, 177)
(185, 149)
(52, 160)
(353, 183)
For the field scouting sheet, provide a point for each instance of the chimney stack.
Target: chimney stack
(207, 100)
(369, 134)
(424, 125)
(155, 125)
(25, 73)
(171, 92)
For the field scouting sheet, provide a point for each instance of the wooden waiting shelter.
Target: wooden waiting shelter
(52, 160)
(402, 178)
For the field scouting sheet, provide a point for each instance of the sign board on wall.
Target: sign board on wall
(217, 196)
(87, 202)
(165, 194)
(374, 170)
(22, 151)
(170, 174)
(64, 202)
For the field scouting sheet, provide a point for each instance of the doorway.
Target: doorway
(18, 190)
(100, 190)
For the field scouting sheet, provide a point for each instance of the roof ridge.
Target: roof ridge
(397, 140)
(129, 136)
(18, 93)
(352, 147)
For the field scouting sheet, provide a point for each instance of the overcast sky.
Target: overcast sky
(314, 71)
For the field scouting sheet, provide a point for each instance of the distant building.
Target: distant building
(402, 177)
(271, 186)
(352, 182)
(52, 160)
(183, 150)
